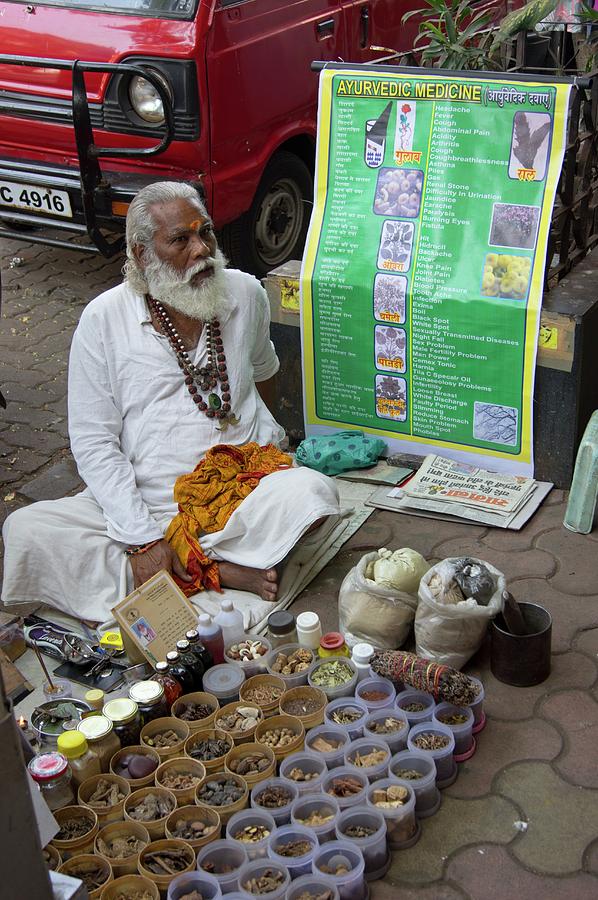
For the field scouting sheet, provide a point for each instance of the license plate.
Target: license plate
(34, 199)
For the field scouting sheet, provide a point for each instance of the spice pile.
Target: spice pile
(220, 792)
(136, 765)
(121, 847)
(278, 737)
(303, 706)
(367, 760)
(194, 711)
(332, 674)
(317, 817)
(246, 650)
(266, 883)
(390, 725)
(163, 740)
(263, 694)
(323, 745)
(273, 797)
(178, 781)
(251, 834)
(151, 808)
(391, 797)
(293, 849)
(346, 715)
(253, 764)
(243, 719)
(427, 740)
(297, 661)
(374, 696)
(168, 862)
(344, 786)
(191, 830)
(212, 748)
(70, 829)
(297, 774)
(106, 794)
(93, 875)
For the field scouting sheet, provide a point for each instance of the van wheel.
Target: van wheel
(274, 229)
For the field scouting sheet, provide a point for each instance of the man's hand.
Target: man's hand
(160, 556)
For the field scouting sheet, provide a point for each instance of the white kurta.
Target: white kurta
(134, 429)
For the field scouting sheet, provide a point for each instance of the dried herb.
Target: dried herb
(163, 739)
(359, 831)
(321, 895)
(304, 706)
(347, 715)
(293, 848)
(151, 808)
(298, 661)
(321, 745)
(106, 794)
(247, 650)
(93, 875)
(278, 737)
(194, 711)
(297, 774)
(344, 787)
(408, 774)
(391, 797)
(220, 792)
(121, 847)
(167, 862)
(273, 797)
(443, 682)
(427, 740)
(413, 707)
(332, 674)
(317, 817)
(191, 829)
(250, 765)
(373, 696)
(263, 694)
(194, 895)
(178, 781)
(71, 829)
(213, 748)
(390, 725)
(367, 760)
(251, 834)
(243, 719)
(266, 883)
(454, 719)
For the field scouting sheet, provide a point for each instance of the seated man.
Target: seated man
(173, 361)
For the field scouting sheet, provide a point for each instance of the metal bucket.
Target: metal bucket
(522, 659)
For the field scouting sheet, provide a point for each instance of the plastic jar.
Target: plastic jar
(363, 746)
(226, 860)
(345, 689)
(402, 827)
(373, 846)
(251, 666)
(210, 635)
(477, 707)
(83, 762)
(280, 814)
(183, 885)
(150, 699)
(316, 805)
(376, 686)
(52, 774)
(297, 679)
(296, 865)
(125, 720)
(462, 731)
(281, 628)
(100, 735)
(333, 734)
(224, 681)
(333, 644)
(338, 775)
(397, 739)
(361, 655)
(446, 767)
(310, 764)
(415, 716)
(427, 795)
(246, 819)
(255, 869)
(315, 884)
(353, 729)
(309, 630)
(350, 886)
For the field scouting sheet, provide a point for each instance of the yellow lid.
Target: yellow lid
(72, 744)
(95, 698)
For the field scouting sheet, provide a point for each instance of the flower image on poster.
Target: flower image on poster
(530, 143)
(514, 225)
(506, 276)
(398, 192)
(389, 298)
(391, 397)
(405, 127)
(396, 243)
(495, 424)
(390, 348)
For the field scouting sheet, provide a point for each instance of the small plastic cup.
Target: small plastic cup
(346, 689)
(346, 772)
(363, 746)
(184, 884)
(396, 740)
(250, 667)
(291, 681)
(402, 827)
(312, 884)
(477, 707)
(309, 763)
(411, 696)
(60, 689)
(376, 685)
(224, 681)
(296, 865)
(373, 846)
(258, 867)
(462, 732)
(280, 814)
(226, 860)
(446, 767)
(353, 729)
(332, 734)
(427, 795)
(249, 817)
(350, 886)
(312, 804)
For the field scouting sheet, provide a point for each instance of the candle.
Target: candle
(23, 724)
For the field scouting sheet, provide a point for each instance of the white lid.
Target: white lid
(146, 691)
(226, 604)
(362, 653)
(204, 619)
(223, 680)
(308, 620)
(95, 727)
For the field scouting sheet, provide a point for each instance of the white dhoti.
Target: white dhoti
(58, 552)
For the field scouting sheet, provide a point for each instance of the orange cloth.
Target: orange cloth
(207, 498)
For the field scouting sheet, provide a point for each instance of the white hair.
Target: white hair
(141, 227)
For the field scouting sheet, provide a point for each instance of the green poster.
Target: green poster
(423, 271)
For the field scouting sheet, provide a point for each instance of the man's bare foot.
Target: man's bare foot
(259, 581)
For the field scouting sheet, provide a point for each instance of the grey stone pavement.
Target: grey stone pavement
(522, 818)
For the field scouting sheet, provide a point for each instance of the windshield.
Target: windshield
(162, 9)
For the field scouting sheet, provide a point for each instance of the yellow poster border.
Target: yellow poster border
(534, 302)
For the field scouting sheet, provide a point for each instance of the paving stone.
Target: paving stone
(590, 862)
(569, 612)
(36, 418)
(498, 745)
(546, 518)
(574, 575)
(59, 480)
(387, 890)
(562, 818)
(587, 642)
(373, 534)
(486, 871)
(530, 563)
(577, 714)
(424, 535)
(36, 440)
(23, 461)
(457, 823)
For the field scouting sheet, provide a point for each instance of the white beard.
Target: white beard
(205, 302)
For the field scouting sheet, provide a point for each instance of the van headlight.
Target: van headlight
(145, 99)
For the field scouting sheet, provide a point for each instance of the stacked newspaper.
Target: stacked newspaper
(446, 487)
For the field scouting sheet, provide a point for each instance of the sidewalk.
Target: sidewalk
(522, 818)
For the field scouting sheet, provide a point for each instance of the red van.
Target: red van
(99, 97)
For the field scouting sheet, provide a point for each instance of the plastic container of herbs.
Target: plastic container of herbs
(334, 675)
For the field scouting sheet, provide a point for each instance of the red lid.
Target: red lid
(332, 641)
(47, 766)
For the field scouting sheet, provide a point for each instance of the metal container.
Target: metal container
(522, 659)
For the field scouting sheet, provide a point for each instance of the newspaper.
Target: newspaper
(452, 488)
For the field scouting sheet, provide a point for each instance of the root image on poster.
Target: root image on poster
(399, 192)
(495, 423)
(530, 143)
(389, 298)
(390, 348)
(514, 226)
(506, 276)
(391, 398)
(396, 244)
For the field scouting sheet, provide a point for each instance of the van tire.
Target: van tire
(273, 230)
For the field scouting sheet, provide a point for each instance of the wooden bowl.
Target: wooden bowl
(76, 846)
(165, 723)
(181, 765)
(142, 751)
(162, 881)
(54, 860)
(278, 722)
(105, 814)
(239, 737)
(211, 765)
(155, 827)
(301, 694)
(127, 864)
(237, 754)
(257, 682)
(196, 697)
(84, 861)
(225, 812)
(127, 885)
(205, 814)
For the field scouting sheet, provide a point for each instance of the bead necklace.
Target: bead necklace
(205, 378)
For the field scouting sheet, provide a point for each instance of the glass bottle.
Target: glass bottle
(150, 699)
(101, 737)
(192, 663)
(211, 636)
(199, 648)
(281, 628)
(180, 672)
(124, 715)
(172, 686)
(83, 762)
(51, 772)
